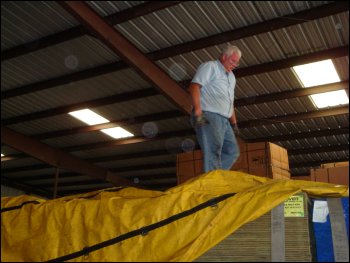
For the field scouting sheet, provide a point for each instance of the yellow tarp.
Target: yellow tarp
(130, 224)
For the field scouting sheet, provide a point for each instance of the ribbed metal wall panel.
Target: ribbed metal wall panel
(105, 8)
(26, 21)
(27, 161)
(10, 191)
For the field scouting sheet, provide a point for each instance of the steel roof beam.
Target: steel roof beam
(292, 93)
(295, 117)
(293, 61)
(57, 157)
(252, 30)
(302, 135)
(130, 54)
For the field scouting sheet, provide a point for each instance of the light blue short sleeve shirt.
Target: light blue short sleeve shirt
(218, 86)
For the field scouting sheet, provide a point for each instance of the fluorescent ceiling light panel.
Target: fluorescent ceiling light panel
(332, 98)
(320, 73)
(88, 116)
(317, 73)
(117, 132)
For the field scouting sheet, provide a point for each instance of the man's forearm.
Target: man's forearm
(195, 92)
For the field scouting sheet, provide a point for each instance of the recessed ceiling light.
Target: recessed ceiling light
(320, 73)
(332, 98)
(88, 116)
(117, 132)
(317, 73)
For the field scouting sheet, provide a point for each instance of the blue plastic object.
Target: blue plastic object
(323, 235)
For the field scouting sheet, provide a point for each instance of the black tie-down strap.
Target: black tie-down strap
(6, 209)
(144, 230)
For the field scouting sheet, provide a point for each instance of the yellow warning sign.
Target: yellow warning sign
(294, 206)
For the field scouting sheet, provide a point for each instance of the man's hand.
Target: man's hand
(200, 120)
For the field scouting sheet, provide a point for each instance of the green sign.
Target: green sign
(294, 206)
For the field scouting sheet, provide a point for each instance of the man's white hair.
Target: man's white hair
(229, 50)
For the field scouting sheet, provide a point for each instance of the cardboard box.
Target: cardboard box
(189, 165)
(333, 175)
(339, 175)
(241, 163)
(268, 160)
(262, 159)
(305, 178)
(321, 175)
(336, 164)
(187, 156)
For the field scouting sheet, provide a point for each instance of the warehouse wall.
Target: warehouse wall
(9, 191)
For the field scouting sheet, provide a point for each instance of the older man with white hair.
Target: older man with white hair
(213, 116)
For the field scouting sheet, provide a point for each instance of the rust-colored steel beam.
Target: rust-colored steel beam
(295, 117)
(57, 157)
(301, 135)
(254, 29)
(129, 53)
(294, 61)
(292, 93)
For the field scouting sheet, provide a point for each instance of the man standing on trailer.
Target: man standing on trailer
(213, 116)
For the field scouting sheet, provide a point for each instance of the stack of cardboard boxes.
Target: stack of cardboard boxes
(334, 173)
(262, 159)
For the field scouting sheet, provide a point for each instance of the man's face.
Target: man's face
(230, 62)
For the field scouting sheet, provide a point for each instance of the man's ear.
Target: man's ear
(223, 57)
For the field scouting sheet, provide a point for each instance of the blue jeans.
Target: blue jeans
(217, 141)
